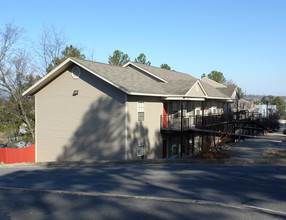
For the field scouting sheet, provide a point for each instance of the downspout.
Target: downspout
(36, 130)
(203, 113)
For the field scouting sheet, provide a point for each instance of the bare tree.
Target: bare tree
(91, 55)
(52, 42)
(16, 75)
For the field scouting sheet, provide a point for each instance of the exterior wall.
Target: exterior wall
(88, 126)
(147, 132)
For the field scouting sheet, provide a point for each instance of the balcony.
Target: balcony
(176, 124)
(169, 122)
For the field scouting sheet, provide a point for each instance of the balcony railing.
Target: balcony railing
(172, 123)
(169, 122)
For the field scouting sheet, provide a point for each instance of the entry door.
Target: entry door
(164, 148)
(165, 115)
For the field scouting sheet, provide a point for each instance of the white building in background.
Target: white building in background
(262, 109)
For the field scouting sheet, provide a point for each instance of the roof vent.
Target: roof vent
(76, 72)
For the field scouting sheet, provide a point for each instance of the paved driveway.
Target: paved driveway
(272, 145)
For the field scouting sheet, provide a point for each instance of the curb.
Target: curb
(226, 162)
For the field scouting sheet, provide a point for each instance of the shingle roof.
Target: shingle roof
(212, 82)
(135, 78)
(177, 83)
(214, 89)
(130, 79)
(168, 75)
(229, 90)
(135, 82)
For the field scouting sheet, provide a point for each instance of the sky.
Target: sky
(243, 39)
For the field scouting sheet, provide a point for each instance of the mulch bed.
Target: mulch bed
(279, 153)
(213, 155)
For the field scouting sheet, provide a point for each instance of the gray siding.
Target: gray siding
(147, 132)
(89, 126)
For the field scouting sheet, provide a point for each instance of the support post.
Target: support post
(193, 143)
(181, 133)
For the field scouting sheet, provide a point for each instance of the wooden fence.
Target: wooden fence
(20, 155)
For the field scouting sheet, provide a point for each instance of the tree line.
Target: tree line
(119, 59)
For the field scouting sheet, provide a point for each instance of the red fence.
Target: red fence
(20, 155)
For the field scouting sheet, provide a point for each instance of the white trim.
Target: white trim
(191, 87)
(204, 91)
(231, 100)
(151, 74)
(126, 127)
(147, 94)
(184, 98)
(235, 93)
(218, 98)
(46, 77)
(126, 64)
(144, 111)
(36, 131)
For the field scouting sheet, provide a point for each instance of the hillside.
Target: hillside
(258, 97)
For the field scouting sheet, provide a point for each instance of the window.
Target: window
(174, 107)
(76, 72)
(141, 111)
(140, 151)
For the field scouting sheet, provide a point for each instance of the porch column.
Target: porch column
(181, 133)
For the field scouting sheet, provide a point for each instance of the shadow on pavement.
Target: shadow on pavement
(262, 186)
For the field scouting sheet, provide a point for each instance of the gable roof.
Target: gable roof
(197, 88)
(127, 80)
(230, 90)
(135, 79)
(176, 83)
(215, 89)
